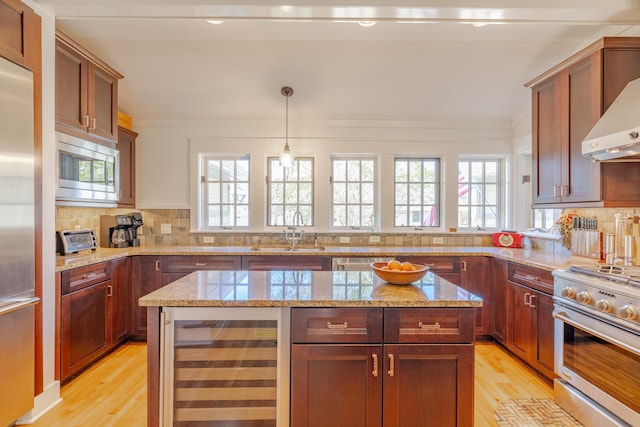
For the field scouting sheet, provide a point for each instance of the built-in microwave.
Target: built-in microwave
(87, 173)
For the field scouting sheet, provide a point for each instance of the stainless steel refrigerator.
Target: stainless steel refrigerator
(17, 276)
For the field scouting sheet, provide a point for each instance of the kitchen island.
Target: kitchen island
(307, 348)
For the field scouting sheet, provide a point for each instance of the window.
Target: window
(353, 189)
(417, 192)
(290, 191)
(543, 219)
(479, 193)
(225, 191)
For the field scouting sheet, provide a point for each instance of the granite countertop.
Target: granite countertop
(305, 289)
(535, 258)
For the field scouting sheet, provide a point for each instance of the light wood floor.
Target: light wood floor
(112, 393)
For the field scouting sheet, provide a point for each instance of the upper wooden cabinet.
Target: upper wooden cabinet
(86, 93)
(567, 102)
(19, 33)
(127, 148)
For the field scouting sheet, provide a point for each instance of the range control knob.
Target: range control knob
(584, 297)
(569, 292)
(629, 312)
(605, 305)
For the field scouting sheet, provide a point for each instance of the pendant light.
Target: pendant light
(286, 159)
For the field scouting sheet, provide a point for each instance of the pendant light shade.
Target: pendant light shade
(286, 159)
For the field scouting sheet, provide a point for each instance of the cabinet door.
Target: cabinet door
(102, 103)
(71, 87)
(19, 25)
(581, 175)
(146, 276)
(474, 277)
(428, 385)
(522, 340)
(542, 304)
(547, 140)
(127, 148)
(500, 301)
(118, 294)
(83, 318)
(336, 385)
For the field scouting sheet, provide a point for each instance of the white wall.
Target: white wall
(521, 191)
(163, 167)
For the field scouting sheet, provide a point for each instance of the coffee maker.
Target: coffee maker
(115, 231)
(132, 234)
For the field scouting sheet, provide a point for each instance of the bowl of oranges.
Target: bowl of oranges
(399, 273)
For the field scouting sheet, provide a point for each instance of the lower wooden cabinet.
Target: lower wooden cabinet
(420, 374)
(500, 325)
(93, 313)
(279, 262)
(530, 316)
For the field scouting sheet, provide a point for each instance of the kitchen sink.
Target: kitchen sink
(287, 248)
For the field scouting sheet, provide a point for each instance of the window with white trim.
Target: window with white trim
(290, 190)
(225, 191)
(353, 182)
(479, 193)
(417, 192)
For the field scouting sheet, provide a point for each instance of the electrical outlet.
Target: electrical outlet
(374, 239)
(208, 239)
(165, 228)
(345, 239)
(438, 240)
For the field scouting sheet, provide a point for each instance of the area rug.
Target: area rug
(532, 413)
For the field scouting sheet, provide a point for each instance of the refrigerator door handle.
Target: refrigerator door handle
(18, 304)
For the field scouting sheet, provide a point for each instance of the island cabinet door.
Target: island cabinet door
(428, 385)
(336, 385)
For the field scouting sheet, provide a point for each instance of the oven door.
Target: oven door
(599, 360)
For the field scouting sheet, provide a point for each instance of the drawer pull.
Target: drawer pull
(527, 299)
(337, 325)
(200, 264)
(157, 265)
(532, 304)
(391, 370)
(423, 326)
(89, 276)
(109, 290)
(531, 278)
(374, 357)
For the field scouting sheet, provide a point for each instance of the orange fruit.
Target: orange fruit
(384, 267)
(406, 266)
(414, 268)
(394, 265)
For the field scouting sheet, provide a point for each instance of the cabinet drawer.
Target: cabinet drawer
(81, 277)
(428, 325)
(336, 325)
(189, 264)
(535, 278)
(440, 264)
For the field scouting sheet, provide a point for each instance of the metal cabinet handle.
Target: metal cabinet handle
(331, 325)
(391, 365)
(464, 265)
(531, 301)
(85, 120)
(374, 357)
(527, 299)
(93, 123)
(158, 265)
(109, 290)
(200, 264)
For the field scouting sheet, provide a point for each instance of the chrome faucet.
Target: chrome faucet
(296, 221)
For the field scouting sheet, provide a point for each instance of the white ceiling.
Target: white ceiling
(421, 60)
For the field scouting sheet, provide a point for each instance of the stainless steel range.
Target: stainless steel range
(597, 344)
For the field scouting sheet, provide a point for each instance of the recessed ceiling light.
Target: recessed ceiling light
(367, 23)
(214, 21)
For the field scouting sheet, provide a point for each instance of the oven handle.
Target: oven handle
(564, 317)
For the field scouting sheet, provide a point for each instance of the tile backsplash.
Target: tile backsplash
(68, 218)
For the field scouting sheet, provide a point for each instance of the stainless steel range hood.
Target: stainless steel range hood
(616, 136)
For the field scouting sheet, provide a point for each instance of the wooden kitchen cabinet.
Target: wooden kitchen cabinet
(127, 148)
(282, 262)
(500, 325)
(419, 373)
(566, 102)
(19, 33)
(531, 317)
(475, 278)
(153, 272)
(93, 313)
(447, 267)
(86, 93)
